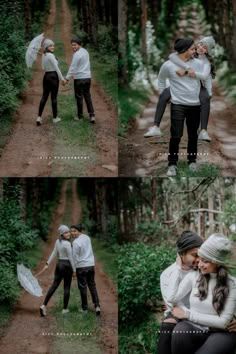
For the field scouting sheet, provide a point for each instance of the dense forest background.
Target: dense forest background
(153, 212)
(147, 30)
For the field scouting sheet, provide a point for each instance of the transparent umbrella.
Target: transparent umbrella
(28, 281)
(32, 50)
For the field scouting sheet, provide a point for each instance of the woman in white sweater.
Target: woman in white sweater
(64, 268)
(212, 297)
(50, 81)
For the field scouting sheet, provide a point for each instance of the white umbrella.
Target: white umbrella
(32, 50)
(28, 281)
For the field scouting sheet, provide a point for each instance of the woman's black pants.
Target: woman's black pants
(50, 85)
(63, 271)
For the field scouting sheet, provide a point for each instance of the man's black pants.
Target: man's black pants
(178, 115)
(82, 90)
(85, 277)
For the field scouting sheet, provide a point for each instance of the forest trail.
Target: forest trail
(141, 156)
(29, 147)
(26, 327)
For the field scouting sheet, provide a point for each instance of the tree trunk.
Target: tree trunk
(122, 37)
(143, 28)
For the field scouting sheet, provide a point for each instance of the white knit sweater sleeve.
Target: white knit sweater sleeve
(176, 60)
(179, 289)
(68, 248)
(163, 75)
(55, 66)
(53, 254)
(217, 321)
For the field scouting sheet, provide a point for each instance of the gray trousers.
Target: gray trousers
(204, 100)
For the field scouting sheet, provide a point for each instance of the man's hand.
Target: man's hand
(232, 326)
(180, 72)
(191, 73)
(178, 312)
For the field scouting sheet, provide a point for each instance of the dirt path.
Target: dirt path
(141, 156)
(27, 150)
(26, 327)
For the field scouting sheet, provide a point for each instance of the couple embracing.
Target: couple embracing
(74, 259)
(200, 296)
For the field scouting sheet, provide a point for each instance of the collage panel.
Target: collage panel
(58, 94)
(177, 265)
(177, 88)
(58, 266)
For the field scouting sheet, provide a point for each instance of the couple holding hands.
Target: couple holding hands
(79, 69)
(74, 259)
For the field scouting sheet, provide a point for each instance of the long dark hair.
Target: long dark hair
(212, 63)
(221, 290)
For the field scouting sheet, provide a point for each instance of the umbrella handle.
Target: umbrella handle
(40, 272)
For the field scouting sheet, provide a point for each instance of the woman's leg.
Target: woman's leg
(161, 106)
(46, 91)
(205, 107)
(57, 279)
(219, 343)
(67, 283)
(54, 85)
(186, 338)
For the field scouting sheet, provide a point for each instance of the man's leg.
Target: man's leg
(164, 340)
(92, 286)
(87, 97)
(78, 87)
(176, 131)
(82, 285)
(186, 338)
(161, 106)
(219, 343)
(192, 122)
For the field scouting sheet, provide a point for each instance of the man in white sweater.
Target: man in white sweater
(84, 264)
(185, 103)
(80, 70)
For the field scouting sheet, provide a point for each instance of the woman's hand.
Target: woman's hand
(191, 73)
(232, 326)
(45, 267)
(179, 313)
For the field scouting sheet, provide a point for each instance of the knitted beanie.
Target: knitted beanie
(47, 42)
(62, 229)
(215, 249)
(209, 42)
(183, 44)
(187, 241)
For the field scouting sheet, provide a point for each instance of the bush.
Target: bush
(107, 38)
(139, 272)
(152, 229)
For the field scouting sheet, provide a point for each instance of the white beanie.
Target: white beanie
(209, 42)
(47, 42)
(215, 249)
(62, 229)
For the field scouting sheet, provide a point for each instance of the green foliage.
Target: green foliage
(107, 39)
(139, 268)
(8, 280)
(139, 339)
(152, 229)
(131, 103)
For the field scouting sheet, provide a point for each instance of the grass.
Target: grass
(104, 68)
(131, 102)
(205, 170)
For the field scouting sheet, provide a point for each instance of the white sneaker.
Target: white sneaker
(98, 310)
(43, 310)
(92, 119)
(77, 118)
(193, 167)
(153, 131)
(65, 311)
(203, 135)
(56, 120)
(39, 121)
(171, 172)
